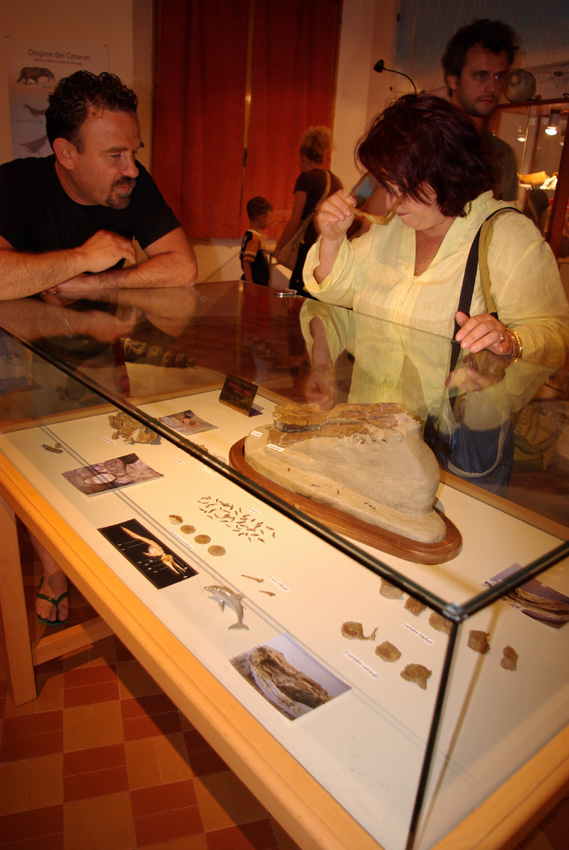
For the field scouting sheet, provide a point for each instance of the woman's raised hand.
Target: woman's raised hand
(335, 215)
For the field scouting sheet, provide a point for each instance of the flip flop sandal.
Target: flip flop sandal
(55, 603)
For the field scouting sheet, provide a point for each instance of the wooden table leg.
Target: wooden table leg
(15, 635)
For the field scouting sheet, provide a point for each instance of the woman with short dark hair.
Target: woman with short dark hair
(418, 142)
(432, 162)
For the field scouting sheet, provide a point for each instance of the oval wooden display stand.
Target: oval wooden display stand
(363, 532)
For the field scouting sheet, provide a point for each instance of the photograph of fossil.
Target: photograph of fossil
(536, 600)
(111, 474)
(288, 677)
(186, 423)
(147, 553)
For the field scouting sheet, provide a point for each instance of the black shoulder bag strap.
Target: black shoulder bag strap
(479, 253)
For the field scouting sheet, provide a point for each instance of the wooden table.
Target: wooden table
(305, 810)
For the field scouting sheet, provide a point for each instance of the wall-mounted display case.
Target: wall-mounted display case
(536, 132)
(403, 685)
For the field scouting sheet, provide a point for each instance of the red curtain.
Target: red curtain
(201, 80)
(200, 76)
(293, 88)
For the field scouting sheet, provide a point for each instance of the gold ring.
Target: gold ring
(502, 337)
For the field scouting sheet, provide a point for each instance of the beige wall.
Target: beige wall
(368, 34)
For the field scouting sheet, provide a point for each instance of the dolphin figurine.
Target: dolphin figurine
(225, 596)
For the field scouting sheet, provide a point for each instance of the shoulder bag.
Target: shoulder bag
(482, 455)
(288, 254)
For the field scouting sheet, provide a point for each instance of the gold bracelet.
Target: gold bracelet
(517, 344)
(520, 350)
(513, 342)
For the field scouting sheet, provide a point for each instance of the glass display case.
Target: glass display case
(536, 132)
(408, 678)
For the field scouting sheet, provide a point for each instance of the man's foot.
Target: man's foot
(52, 600)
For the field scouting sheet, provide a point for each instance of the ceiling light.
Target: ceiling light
(553, 125)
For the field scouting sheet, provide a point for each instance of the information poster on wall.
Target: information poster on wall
(34, 69)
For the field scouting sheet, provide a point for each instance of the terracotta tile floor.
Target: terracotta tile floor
(103, 760)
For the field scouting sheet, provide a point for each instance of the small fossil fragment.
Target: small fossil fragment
(253, 578)
(414, 606)
(390, 591)
(55, 448)
(218, 551)
(268, 592)
(387, 651)
(134, 349)
(439, 623)
(202, 538)
(478, 641)
(147, 435)
(154, 355)
(509, 660)
(131, 430)
(175, 519)
(188, 529)
(416, 673)
(355, 631)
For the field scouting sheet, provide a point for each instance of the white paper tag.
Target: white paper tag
(181, 539)
(416, 632)
(362, 665)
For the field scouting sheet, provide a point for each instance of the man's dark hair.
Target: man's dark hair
(258, 206)
(422, 141)
(74, 97)
(494, 36)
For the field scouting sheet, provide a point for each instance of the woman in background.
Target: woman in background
(309, 189)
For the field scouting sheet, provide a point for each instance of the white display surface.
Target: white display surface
(365, 746)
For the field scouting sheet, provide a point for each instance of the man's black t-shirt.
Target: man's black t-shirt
(37, 215)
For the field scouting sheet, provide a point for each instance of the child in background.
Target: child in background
(254, 259)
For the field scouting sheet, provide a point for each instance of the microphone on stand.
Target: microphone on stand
(379, 67)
